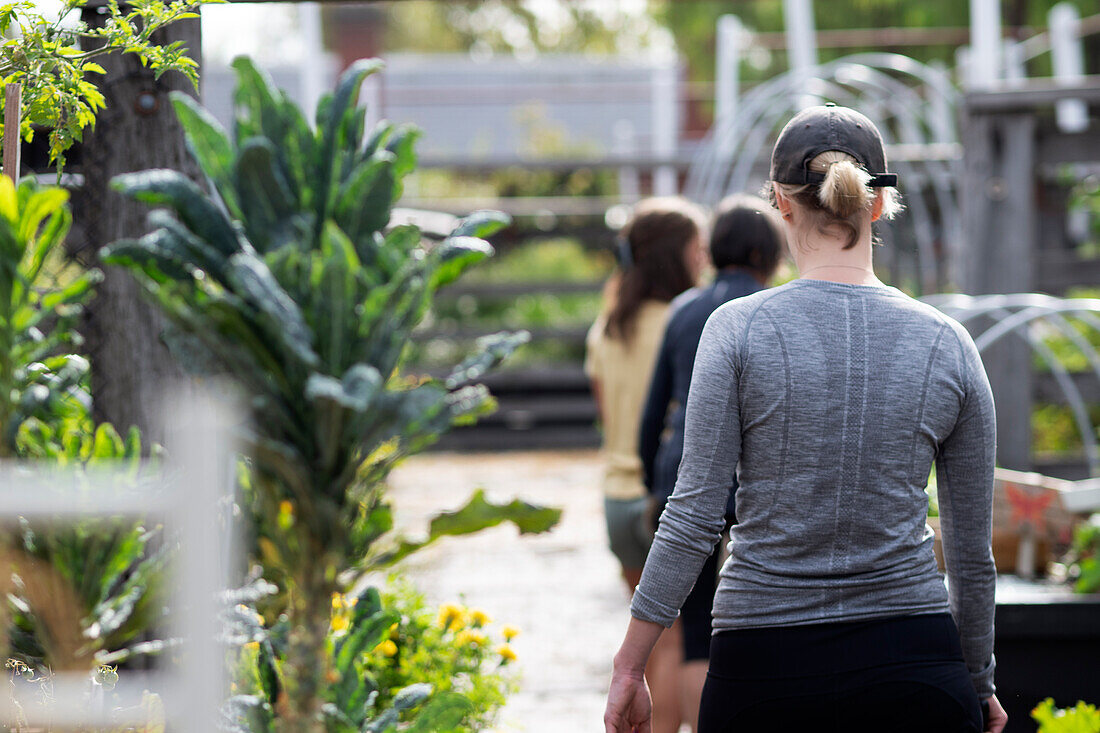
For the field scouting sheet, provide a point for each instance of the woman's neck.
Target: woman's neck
(828, 260)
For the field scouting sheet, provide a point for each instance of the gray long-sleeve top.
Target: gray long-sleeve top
(831, 402)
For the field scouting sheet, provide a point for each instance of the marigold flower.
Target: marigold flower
(387, 648)
(507, 654)
(451, 617)
(509, 632)
(466, 636)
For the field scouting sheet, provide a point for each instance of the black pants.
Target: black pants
(902, 674)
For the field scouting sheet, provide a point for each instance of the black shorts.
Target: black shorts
(903, 674)
(695, 614)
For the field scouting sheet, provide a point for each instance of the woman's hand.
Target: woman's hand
(997, 716)
(629, 708)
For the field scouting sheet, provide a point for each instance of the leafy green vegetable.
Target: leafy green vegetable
(1081, 718)
(289, 277)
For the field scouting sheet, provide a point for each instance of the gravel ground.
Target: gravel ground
(562, 589)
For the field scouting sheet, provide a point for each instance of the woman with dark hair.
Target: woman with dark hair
(746, 244)
(660, 252)
(830, 397)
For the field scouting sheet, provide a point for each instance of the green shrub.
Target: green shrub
(451, 647)
(1081, 718)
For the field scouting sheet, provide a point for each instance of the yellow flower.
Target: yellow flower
(341, 601)
(386, 648)
(479, 618)
(340, 622)
(451, 617)
(285, 520)
(252, 646)
(509, 632)
(466, 636)
(251, 613)
(506, 653)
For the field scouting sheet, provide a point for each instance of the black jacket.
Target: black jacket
(661, 439)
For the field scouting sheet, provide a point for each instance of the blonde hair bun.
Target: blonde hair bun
(844, 192)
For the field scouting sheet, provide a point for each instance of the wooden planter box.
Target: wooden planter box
(1033, 519)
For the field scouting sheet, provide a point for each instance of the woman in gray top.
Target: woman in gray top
(831, 397)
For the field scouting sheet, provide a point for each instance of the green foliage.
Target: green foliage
(476, 515)
(932, 489)
(306, 302)
(289, 279)
(1084, 194)
(111, 568)
(1083, 559)
(297, 291)
(693, 25)
(45, 57)
(39, 382)
(517, 26)
(558, 259)
(116, 569)
(1054, 429)
(363, 693)
(1081, 718)
(452, 648)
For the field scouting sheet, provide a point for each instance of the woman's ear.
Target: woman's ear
(782, 203)
(876, 205)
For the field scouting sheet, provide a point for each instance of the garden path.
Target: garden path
(562, 589)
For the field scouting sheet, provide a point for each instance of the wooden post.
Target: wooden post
(998, 197)
(13, 120)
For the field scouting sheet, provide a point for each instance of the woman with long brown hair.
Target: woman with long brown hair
(661, 256)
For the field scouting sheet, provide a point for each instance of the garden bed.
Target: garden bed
(1047, 645)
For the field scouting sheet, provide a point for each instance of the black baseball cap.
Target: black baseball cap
(815, 130)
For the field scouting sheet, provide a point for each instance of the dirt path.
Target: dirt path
(562, 589)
